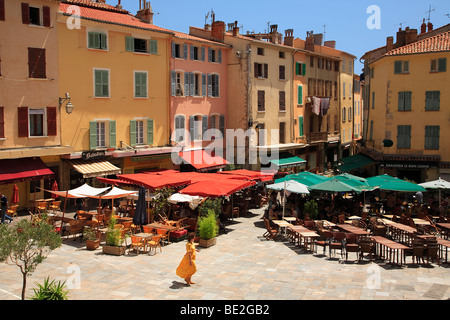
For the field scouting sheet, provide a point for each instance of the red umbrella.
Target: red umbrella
(15, 195)
(54, 188)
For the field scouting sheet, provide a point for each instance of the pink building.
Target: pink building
(198, 102)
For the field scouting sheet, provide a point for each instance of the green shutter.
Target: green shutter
(373, 100)
(300, 127)
(112, 134)
(150, 132)
(98, 83)
(92, 135)
(103, 42)
(408, 100)
(300, 95)
(94, 40)
(303, 69)
(297, 68)
(401, 101)
(132, 133)
(442, 65)
(129, 44)
(398, 67)
(153, 44)
(140, 83)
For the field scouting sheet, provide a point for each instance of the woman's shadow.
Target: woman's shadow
(178, 285)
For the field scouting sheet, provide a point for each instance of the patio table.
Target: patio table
(443, 248)
(390, 250)
(360, 232)
(445, 229)
(303, 236)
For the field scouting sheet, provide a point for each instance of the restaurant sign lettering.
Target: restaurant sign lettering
(89, 155)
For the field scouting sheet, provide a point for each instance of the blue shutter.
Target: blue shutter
(209, 85)
(186, 83)
(192, 84)
(204, 84)
(191, 52)
(173, 83)
(192, 127)
(185, 51)
(204, 127)
(222, 125)
(209, 55)
(203, 54)
(217, 86)
(173, 50)
(220, 56)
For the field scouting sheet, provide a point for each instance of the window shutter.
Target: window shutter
(398, 67)
(204, 127)
(192, 84)
(300, 95)
(132, 133)
(282, 101)
(220, 56)
(25, 14)
(203, 54)
(256, 70)
(153, 44)
(442, 65)
(23, 122)
(217, 86)
(185, 51)
(129, 44)
(179, 128)
(103, 41)
(186, 84)
(300, 126)
(2, 121)
(401, 101)
(46, 16)
(174, 54)
(209, 85)
(408, 100)
(303, 69)
(373, 100)
(297, 68)
(92, 135)
(112, 134)
(191, 51)
(209, 55)
(192, 127)
(266, 71)
(150, 132)
(173, 83)
(222, 125)
(204, 84)
(2, 10)
(51, 121)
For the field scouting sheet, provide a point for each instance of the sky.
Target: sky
(357, 26)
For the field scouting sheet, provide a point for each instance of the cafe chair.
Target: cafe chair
(12, 211)
(235, 212)
(418, 251)
(55, 206)
(351, 245)
(309, 224)
(164, 235)
(271, 233)
(432, 252)
(137, 243)
(337, 242)
(154, 243)
(324, 240)
(366, 246)
(41, 208)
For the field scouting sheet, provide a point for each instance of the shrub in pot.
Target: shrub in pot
(114, 239)
(208, 229)
(92, 241)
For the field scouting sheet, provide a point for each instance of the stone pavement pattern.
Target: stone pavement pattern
(241, 266)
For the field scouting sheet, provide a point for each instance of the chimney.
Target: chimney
(423, 27)
(235, 29)
(207, 26)
(389, 44)
(330, 44)
(145, 12)
(309, 42)
(318, 39)
(411, 35)
(273, 33)
(218, 31)
(401, 38)
(100, 1)
(430, 26)
(289, 37)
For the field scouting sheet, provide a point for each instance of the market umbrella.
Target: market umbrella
(15, 194)
(439, 184)
(290, 186)
(55, 188)
(305, 177)
(140, 215)
(333, 185)
(386, 182)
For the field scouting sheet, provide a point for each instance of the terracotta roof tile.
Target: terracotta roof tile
(97, 5)
(437, 43)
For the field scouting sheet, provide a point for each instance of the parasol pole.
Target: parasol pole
(64, 211)
(284, 198)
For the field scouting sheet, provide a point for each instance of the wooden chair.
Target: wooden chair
(154, 243)
(366, 246)
(324, 240)
(433, 253)
(418, 251)
(34, 217)
(12, 210)
(137, 243)
(235, 212)
(309, 224)
(55, 206)
(127, 226)
(337, 242)
(75, 229)
(341, 219)
(148, 229)
(41, 207)
(351, 244)
(271, 233)
(164, 234)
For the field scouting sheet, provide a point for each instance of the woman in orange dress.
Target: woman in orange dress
(187, 267)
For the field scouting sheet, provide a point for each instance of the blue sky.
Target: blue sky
(345, 20)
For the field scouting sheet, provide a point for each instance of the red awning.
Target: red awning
(216, 188)
(202, 160)
(249, 175)
(25, 169)
(154, 181)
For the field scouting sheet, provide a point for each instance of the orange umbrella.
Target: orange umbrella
(55, 188)
(15, 195)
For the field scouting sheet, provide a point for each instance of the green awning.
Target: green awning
(288, 160)
(354, 162)
(305, 177)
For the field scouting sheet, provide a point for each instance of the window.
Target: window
(350, 114)
(213, 85)
(197, 126)
(281, 55)
(282, 73)
(36, 122)
(101, 135)
(373, 100)
(197, 53)
(311, 61)
(343, 90)
(282, 136)
(214, 55)
(300, 68)
(336, 66)
(432, 137)
(141, 132)
(217, 122)
(2, 10)
(97, 40)
(401, 67)
(36, 63)
(261, 100)
(179, 51)
(261, 70)
(371, 131)
(404, 137)
(282, 101)
(101, 83)
(439, 65)
(260, 51)
(140, 84)
(432, 100)
(261, 134)
(344, 114)
(404, 100)
(141, 45)
(31, 15)
(180, 128)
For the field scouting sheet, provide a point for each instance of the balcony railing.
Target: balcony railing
(316, 136)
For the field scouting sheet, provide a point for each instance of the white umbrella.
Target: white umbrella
(290, 186)
(439, 184)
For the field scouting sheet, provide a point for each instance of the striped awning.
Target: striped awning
(94, 168)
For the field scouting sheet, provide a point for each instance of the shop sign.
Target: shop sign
(89, 155)
(401, 165)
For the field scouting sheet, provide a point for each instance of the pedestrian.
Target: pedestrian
(187, 267)
(4, 205)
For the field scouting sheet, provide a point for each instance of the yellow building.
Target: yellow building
(407, 104)
(114, 66)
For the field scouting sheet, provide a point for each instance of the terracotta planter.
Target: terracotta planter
(207, 243)
(92, 244)
(116, 251)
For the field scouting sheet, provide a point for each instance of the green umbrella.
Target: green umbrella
(306, 178)
(386, 182)
(334, 185)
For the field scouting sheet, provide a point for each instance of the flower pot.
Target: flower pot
(207, 243)
(92, 244)
(116, 251)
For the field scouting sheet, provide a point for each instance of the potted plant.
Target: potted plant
(311, 209)
(92, 241)
(114, 239)
(208, 229)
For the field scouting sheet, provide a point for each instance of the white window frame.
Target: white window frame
(42, 111)
(41, 15)
(141, 124)
(99, 31)
(99, 134)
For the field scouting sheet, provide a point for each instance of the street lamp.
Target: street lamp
(69, 105)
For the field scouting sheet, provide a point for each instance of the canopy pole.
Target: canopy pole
(64, 211)
(284, 199)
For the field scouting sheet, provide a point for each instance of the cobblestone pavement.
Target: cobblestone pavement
(241, 266)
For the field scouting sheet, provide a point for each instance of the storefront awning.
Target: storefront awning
(287, 160)
(25, 169)
(203, 160)
(354, 162)
(94, 168)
